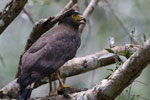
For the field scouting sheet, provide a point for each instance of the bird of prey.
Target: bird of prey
(50, 52)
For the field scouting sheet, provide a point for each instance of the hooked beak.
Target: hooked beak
(83, 20)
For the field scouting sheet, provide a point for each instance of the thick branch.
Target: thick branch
(10, 12)
(126, 74)
(77, 66)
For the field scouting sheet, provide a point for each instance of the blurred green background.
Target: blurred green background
(133, 14)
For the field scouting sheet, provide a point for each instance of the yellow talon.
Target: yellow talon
(51, 93)
(62, 86)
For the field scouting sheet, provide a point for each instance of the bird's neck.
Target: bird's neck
(76, 27)
(70, 27)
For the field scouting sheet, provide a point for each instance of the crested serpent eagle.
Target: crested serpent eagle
(50, 52)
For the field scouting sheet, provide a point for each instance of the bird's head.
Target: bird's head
(73, 18)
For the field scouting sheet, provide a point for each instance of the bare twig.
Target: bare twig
(29, 15)
(129, 92)
(140, 82)
(10, 12)
(121, 23)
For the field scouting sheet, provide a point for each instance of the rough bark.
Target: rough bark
(10, 12)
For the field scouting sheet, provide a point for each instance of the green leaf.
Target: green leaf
(129, 53)
(109, 50)
(110, 70)
(122, 52)
(132, 32)
(131, 46)
(125, 53)
(144, 37)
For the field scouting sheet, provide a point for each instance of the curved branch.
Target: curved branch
(76, 66)
(127, 73)
(10, 12)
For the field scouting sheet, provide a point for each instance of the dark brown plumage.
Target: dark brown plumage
(50, 52)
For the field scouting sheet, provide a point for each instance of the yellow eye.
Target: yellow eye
(76, 17)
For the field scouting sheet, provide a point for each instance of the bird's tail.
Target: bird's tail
(26, 82)
(25, 94)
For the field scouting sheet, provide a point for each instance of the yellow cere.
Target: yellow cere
(76, 17)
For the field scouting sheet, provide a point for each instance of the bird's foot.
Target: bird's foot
(62, 86)
(51, 93)
(66, 91)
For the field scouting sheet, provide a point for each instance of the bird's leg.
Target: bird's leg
(50, 86)
(61, 84)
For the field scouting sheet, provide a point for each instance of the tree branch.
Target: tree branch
(76, 66)
(10, 12)
(88, 11)
(125, 74)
